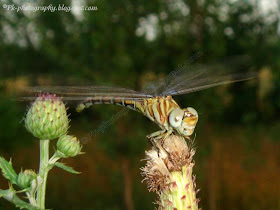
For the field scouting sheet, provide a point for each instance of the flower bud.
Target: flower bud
(24, 178)
(47, 117)
(68, 146)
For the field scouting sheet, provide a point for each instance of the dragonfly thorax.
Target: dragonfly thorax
(183, 120)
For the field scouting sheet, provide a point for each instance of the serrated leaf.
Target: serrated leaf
(66, 168)
(23, 205)
(4, 192)
(8, 171)
(11, 196)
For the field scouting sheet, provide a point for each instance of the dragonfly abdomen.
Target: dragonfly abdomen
(156, 109)
(131, 104)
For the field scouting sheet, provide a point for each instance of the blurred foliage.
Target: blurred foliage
(126, 43)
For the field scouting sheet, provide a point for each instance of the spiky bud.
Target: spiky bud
(168, 172)
(68, 146)
(47, 117)
(24, 178)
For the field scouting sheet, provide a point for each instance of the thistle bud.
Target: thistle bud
(68, 146)
(24, 178)
(47, 117)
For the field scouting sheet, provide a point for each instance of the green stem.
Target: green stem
(31, 199)
(43, 172)
(53, 159)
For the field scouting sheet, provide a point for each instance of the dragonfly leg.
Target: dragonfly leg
(160, 135)
(156, 135)
(165, 135)
(157, 138)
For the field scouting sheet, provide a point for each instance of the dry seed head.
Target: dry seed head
(171, 176)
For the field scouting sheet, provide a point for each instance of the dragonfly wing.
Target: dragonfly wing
(173, 79)
(81, 93)
(196, 77)
(206, 81)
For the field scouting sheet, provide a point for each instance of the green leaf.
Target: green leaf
(4, 192)
(23, 205)
(66, 168)
(8, 171)
(11, 196)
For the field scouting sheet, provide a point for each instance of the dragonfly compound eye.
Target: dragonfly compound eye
(190, 119)
(191, 111)
(175, 118)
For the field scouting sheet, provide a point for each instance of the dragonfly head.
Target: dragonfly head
(184, 120)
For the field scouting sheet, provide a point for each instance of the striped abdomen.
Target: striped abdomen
(156, 109)
(129, 103)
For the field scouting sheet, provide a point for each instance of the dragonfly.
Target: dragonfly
(156, 101)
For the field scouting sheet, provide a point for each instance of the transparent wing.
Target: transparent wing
(180, 81)
(198, 77)
(81, 93)
(173, 79)
(201, 83)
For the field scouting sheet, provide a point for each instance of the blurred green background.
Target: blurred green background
(128, 43)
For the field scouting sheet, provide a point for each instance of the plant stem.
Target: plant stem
(43, 172)
(31, 199)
